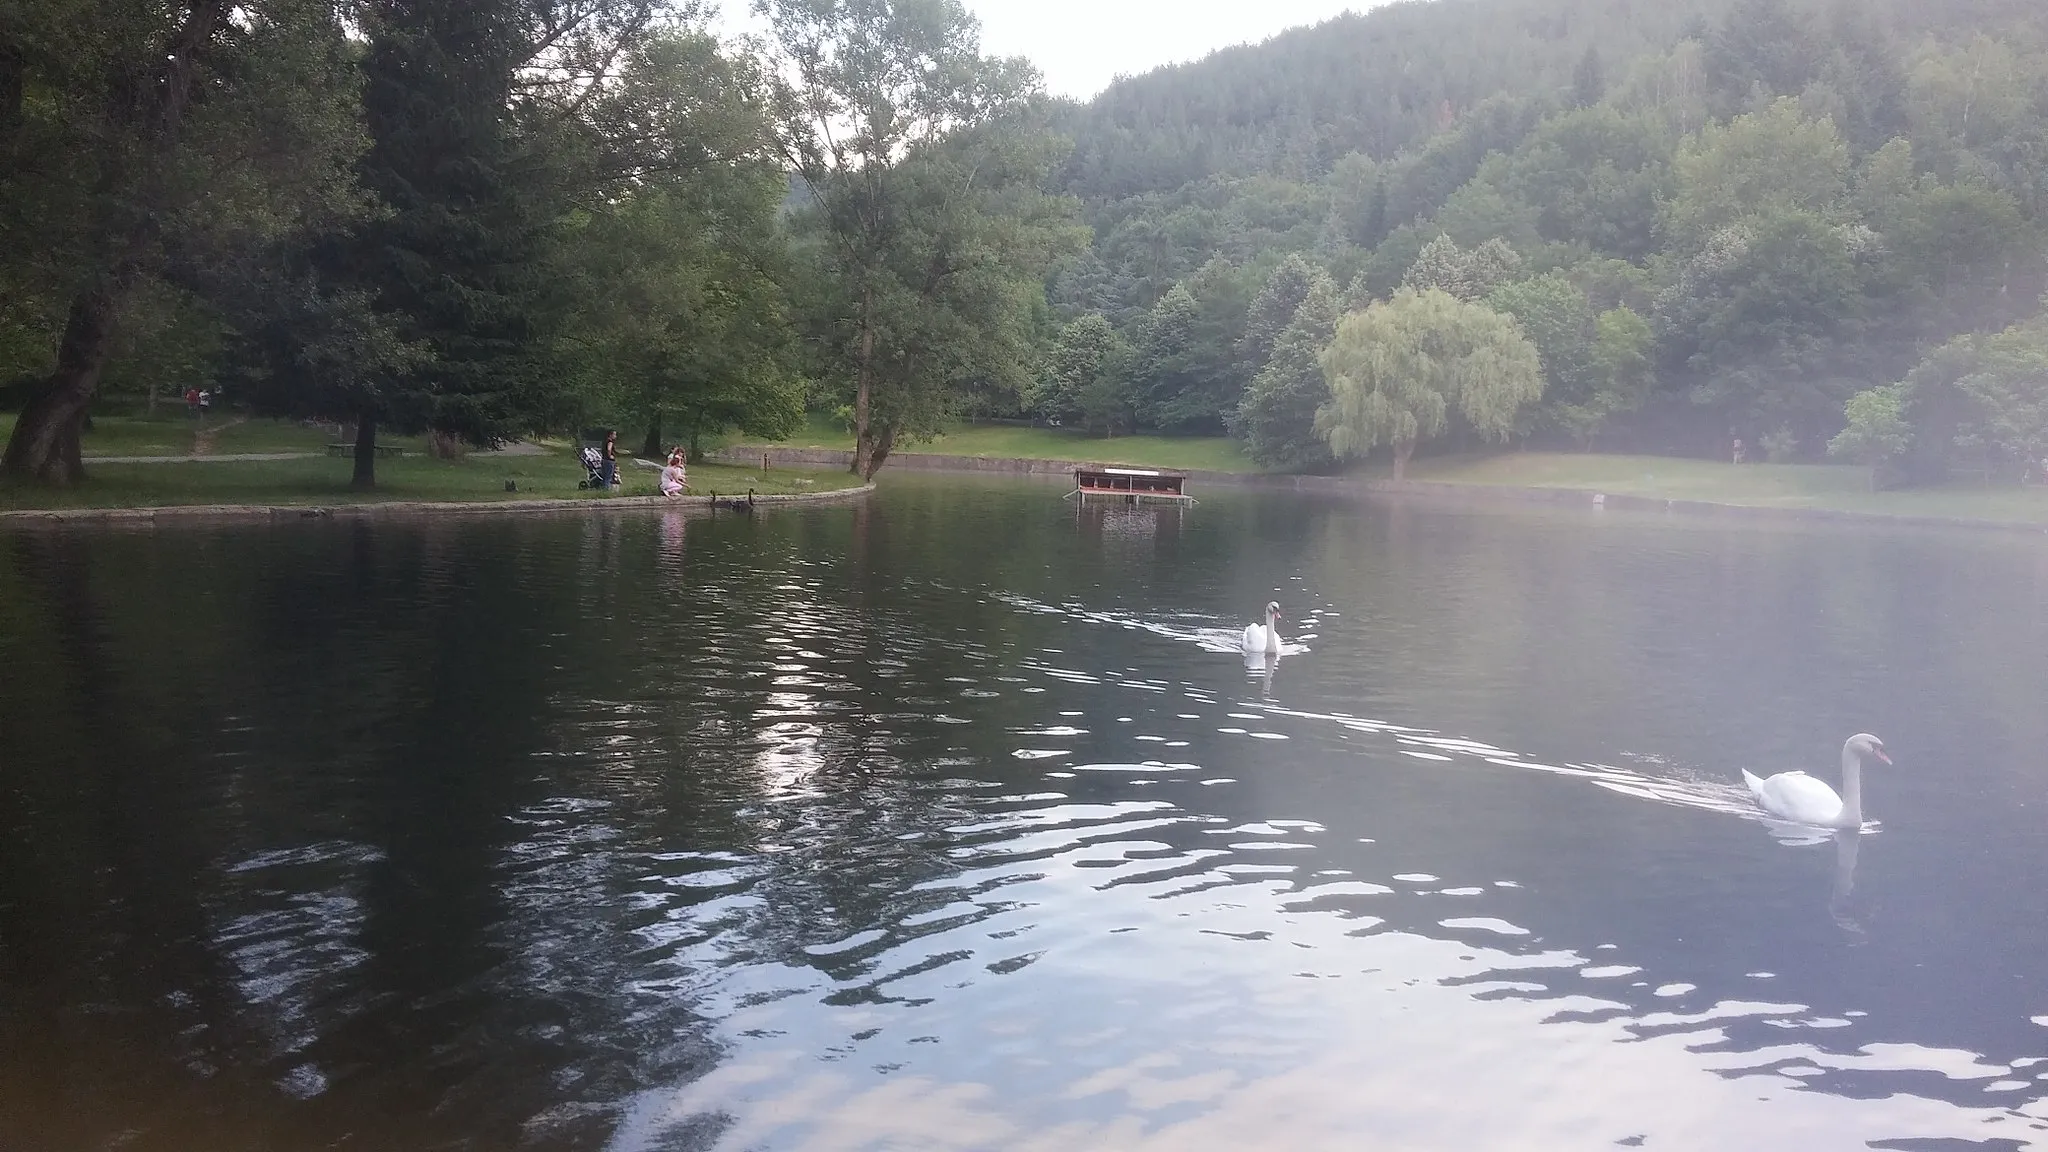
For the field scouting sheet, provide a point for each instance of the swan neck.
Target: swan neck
(1852, 788)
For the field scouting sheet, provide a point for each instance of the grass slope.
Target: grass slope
(1206, 453)
(1751, 485)
(171, 433)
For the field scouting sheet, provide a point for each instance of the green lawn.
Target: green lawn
(129, 435)
(1754, 485)
(326, 481)
(292, 436)
(171, 434)
(1208, 453)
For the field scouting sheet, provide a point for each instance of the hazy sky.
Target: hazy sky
(1082, 44)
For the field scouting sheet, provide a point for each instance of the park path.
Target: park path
(202, 459)
(203, 439)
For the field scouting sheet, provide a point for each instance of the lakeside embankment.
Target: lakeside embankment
(1817, 492)
(254, 468)
(143, 470)
(185, 513)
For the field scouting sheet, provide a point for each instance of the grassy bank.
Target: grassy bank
(172, 433)
(325, 481)
(1205, 453)
(1820, 486)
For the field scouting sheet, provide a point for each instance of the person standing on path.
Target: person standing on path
(611, 459)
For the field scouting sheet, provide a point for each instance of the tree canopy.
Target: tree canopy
(1401, 369)
(1708, 219)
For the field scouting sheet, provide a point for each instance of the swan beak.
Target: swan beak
(1879, 753)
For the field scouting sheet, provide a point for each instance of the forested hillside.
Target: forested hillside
(1713, 218)
(1817, 227)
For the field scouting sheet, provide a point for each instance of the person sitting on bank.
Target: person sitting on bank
(675, 476)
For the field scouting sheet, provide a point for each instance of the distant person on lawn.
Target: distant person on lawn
(675, 476)
(192, 403)
(611, 460)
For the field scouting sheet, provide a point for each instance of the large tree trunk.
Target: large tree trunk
(1403, 449)
(366, 453)
(864, 463)
(651, 450)
(878, 450)
(45, 442)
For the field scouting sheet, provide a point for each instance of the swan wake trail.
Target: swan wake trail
(1682, 791)
(1187, 628)
(1670, 786)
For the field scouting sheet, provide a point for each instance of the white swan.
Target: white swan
(1801, 799)
(1264, 637)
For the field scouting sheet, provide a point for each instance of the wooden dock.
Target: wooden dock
(1130, 485)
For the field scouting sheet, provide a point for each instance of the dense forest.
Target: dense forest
(1713, 220)
(1660, 225)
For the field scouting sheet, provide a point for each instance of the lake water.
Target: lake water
(941, 822)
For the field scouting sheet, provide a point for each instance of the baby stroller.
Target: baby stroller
(592, 456)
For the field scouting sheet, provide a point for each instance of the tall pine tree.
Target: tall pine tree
(458, 263)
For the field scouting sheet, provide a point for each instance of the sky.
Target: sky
(1081, 45)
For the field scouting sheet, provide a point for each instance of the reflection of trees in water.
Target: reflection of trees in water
(107, 706)
(373, 722)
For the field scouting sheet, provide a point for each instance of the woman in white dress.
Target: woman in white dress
(675, 476)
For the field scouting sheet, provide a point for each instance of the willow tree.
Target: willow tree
(929, 232)
(1399, 370)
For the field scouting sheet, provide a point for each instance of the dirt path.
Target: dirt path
(203, 439)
